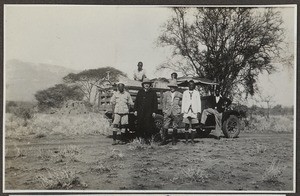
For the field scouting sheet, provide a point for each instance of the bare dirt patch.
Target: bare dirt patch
(78, 162)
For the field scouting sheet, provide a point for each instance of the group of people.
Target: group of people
(145, 109)
(188, 105)
(175, 105)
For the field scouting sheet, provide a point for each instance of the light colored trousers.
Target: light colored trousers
(218, 118)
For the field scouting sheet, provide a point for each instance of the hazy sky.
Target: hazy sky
(85, 37)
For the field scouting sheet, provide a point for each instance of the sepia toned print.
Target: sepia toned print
(159, 99)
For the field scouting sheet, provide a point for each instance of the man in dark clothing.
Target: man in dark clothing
(218, 105)
(145, 107)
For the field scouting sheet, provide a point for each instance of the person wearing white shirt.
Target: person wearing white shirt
(121, 102)
(191, 109)
(139, 74)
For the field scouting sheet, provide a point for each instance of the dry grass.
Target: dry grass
(116, 154)
(40, 135)
(19, 153)
(15, 152)
(196, 160)
(273, 172)
(68, 153)
(139, 144)
(259, 148)
(14, 127)
(60, 179)
(191, 174)
(100, 168)
(44, 154)
(69, 150)
(42, 125)
(136, 144)
(195, 174)
(278, 124)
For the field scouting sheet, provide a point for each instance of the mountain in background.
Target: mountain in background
(24, 79)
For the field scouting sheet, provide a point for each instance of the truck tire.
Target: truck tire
(231, 127)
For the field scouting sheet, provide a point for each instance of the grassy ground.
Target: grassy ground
(42, 125)
(74, 153)
(276, 123)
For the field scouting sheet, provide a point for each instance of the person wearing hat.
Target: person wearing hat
(171, 106)
(219, 103)
(121, 102)
(145, 108)
(139, 74)
(191, 109)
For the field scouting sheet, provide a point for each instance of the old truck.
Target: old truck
(230, 117)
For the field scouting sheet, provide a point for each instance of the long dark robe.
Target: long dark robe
(145, 105)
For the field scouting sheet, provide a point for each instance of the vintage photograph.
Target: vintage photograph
(149, 98)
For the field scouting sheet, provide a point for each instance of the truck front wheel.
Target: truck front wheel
(231, 127)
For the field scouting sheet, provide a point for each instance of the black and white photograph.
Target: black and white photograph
(149, 99)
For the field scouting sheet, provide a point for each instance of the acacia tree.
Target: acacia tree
(88, 79)
(231, 45)
(54, 97)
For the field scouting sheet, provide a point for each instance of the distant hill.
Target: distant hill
(24, 79)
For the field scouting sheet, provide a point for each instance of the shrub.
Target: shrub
(116, 154)
(259, 148)
(140, 144)
(273, 172)
(14, 127)
(23, 110)
(100, 168)
(10, 106)
(25, 113)
(60, 179)
(54, 97)
(194, 174)
(44, 154)
(69, 152)
(136, 145)
(276, 124)
(242, 109)
(191, 174)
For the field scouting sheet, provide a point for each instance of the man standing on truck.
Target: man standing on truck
(174, 76)
(191, 109)
(218, 106)
(145, 108)
(121, 102)
(139, 74)
(171, 105)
